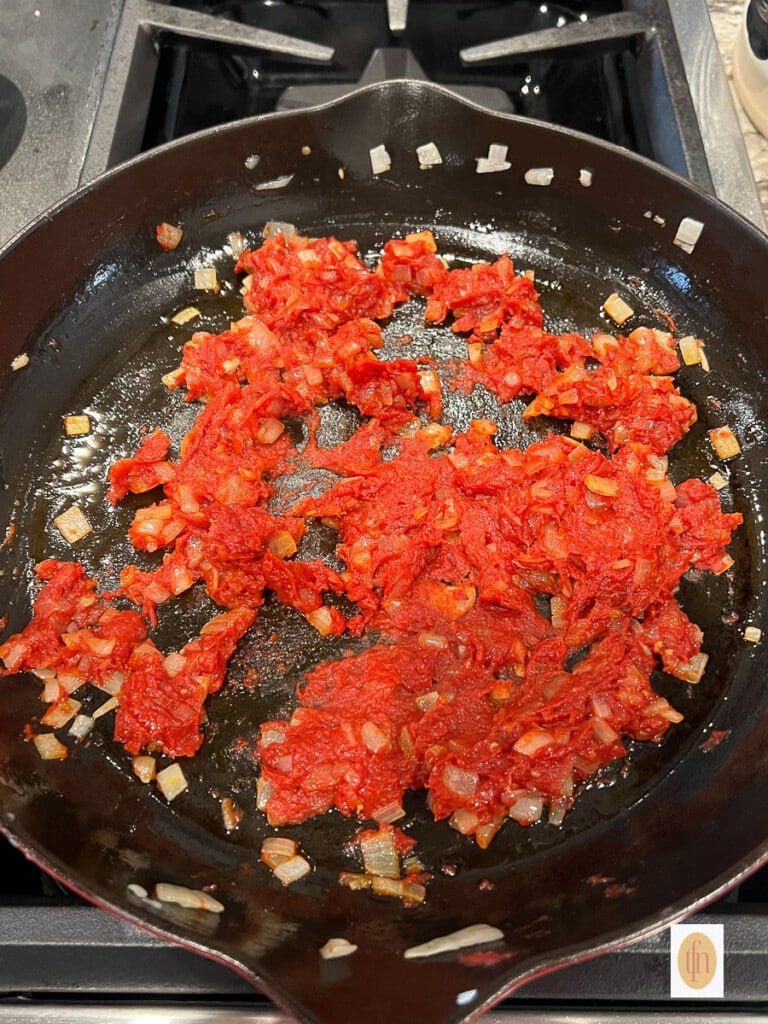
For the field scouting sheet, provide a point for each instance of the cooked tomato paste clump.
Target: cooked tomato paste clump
(517, 601)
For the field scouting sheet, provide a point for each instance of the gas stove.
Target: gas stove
(87, 84)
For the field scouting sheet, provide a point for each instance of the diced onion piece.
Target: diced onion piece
(400, 888)
(206, 279)
(81, 726)
(427, 701)
(464, 821)
(617, 309)
(460, 781)
(292, 870)
(192, 899)
(436, 640)
(341, 173)
(428, 155)
(381, 161)
(601, 707)
(269, 736)
(354, 880)
(49, 748)
(527, 809)
(539, 176)
(269, 430)
(495, 161)
(171, 781)
(373, 737)
(59, 714)
(174, 663)
(282, 544)
(585, 177)
(405, 740)
(263, 794)
(485, 427)
(106, 707)
(436, 434)
(390, 812)
(236, 243)
(718, 481)
(20, 361)
(231, 814)
(113, 684)
(724, 442)
(51, 691)
(274, 183)
(77, 426)
(185, 315)
(322, 620)
(601, 485)
(475, 353)
(557, 810)
(474, 935)
(72, 524)
(278, 227)
(581, 431)
(429, 382)
(704, 361)
(173, 379)
(144, 767)
(533, 740)
(692, 671)
(276, 850)
(752, 634)
(484, 833)
(603, 732)
(380, 855)
(690, 350)
(137, 890)
(168, 236)
(336, 948)
(688, 233)
(663, 709)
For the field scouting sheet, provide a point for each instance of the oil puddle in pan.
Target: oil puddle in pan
(126, 395)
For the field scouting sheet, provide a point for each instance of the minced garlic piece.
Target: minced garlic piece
(186, 314)
(171, 781)
(77, 426)
(617, 309)
(72, 524)
(718, 481)
(752, 634)
(690, 350)
(724, 442)
(206, 279)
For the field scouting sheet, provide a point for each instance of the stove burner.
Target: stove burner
(387, 63)
(550, 53)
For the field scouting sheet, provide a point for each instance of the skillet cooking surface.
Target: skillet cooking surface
(88, 295)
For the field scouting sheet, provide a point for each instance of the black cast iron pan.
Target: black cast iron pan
(86, 292)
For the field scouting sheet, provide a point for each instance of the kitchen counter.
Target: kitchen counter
(726, 18)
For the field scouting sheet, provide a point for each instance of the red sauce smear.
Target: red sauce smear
(517, 601)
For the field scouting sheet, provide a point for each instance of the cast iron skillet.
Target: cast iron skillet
(86, 292)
